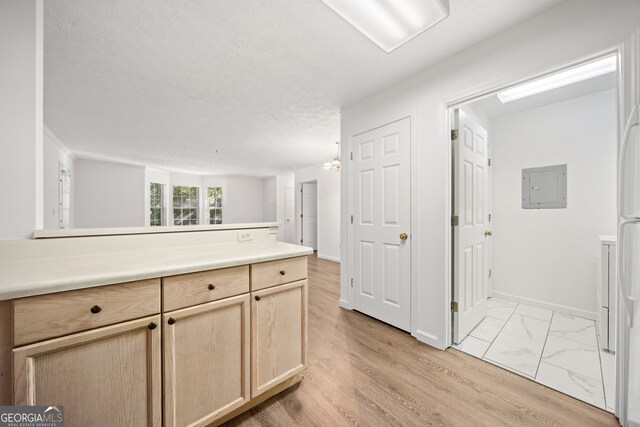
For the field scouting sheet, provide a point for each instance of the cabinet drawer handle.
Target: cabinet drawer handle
(171, 320)
(153, 325)
(257, 297)
(211, 286)
(283, 272)
(96, 309)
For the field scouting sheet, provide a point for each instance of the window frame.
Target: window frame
(162, 207)
(219, 206)
(192, 207)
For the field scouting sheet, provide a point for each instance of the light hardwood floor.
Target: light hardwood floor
(364, 372)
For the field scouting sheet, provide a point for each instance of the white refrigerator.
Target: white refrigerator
(628, 256)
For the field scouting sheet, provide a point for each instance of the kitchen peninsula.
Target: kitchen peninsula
(151, 326)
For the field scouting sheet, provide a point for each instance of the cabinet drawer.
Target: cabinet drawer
(190, 289)
(48, 316)
(272, 273)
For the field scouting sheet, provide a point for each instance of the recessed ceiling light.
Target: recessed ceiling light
(390, 23)
(563, 78)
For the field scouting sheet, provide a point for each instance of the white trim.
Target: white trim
(328, 258)
(53, 137)
(591, 315)
(343, 303)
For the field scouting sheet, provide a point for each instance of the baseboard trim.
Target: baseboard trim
(344, 304)
(328, 258)
(547, 305)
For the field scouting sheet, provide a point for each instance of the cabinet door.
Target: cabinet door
(206, 361)
(103, 377)
(278, 334)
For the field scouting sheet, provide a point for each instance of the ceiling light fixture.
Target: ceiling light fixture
(563, 78)
(334, 163)
(390, 23)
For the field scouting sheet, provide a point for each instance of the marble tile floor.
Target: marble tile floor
(551, 348)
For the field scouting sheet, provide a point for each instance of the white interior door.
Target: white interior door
(381, 214)
(310, 214)
(470, 205)
(289, 214)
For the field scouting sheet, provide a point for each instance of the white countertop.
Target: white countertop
(55, 274)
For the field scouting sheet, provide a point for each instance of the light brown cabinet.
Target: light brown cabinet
(278, 334)
(212, 344)
(103, 377)
(206, 361)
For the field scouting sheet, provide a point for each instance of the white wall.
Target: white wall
(21, 120)
(270, 199)
(108, 194)
(562, 35)
(55, 155)
(244, 200)
(328, 209)
(550, 256)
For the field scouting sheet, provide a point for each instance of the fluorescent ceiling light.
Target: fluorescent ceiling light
(563, 78)
(390, 23)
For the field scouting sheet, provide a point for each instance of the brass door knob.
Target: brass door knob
(488, 233)
(403, 236)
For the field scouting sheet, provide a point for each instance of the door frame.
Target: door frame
(347, 173)
(475, 94)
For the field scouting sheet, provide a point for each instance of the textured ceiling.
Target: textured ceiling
(228, 86)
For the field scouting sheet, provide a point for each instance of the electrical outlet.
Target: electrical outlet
(244, 236)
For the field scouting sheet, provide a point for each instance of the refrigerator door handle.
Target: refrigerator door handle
(626, 294)
(632, 122)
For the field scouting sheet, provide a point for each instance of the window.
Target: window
(185, 205)
(215, 205)
(156, 204)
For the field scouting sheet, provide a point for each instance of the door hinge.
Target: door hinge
(490, 273)
(300, 241)
(489, 217)
(351, 219)
(489, 162)
(454, 134)
(454, 306)
(352, 282)
(351, 155)
(300, 215)
(454, 221)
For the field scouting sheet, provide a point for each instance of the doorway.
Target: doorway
(309, 214)
(533, 204)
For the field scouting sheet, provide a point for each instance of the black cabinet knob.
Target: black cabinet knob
(171, 320)
(257, 297)
(283, 272)
(211, 286)
(96, 309)
(153, 325)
